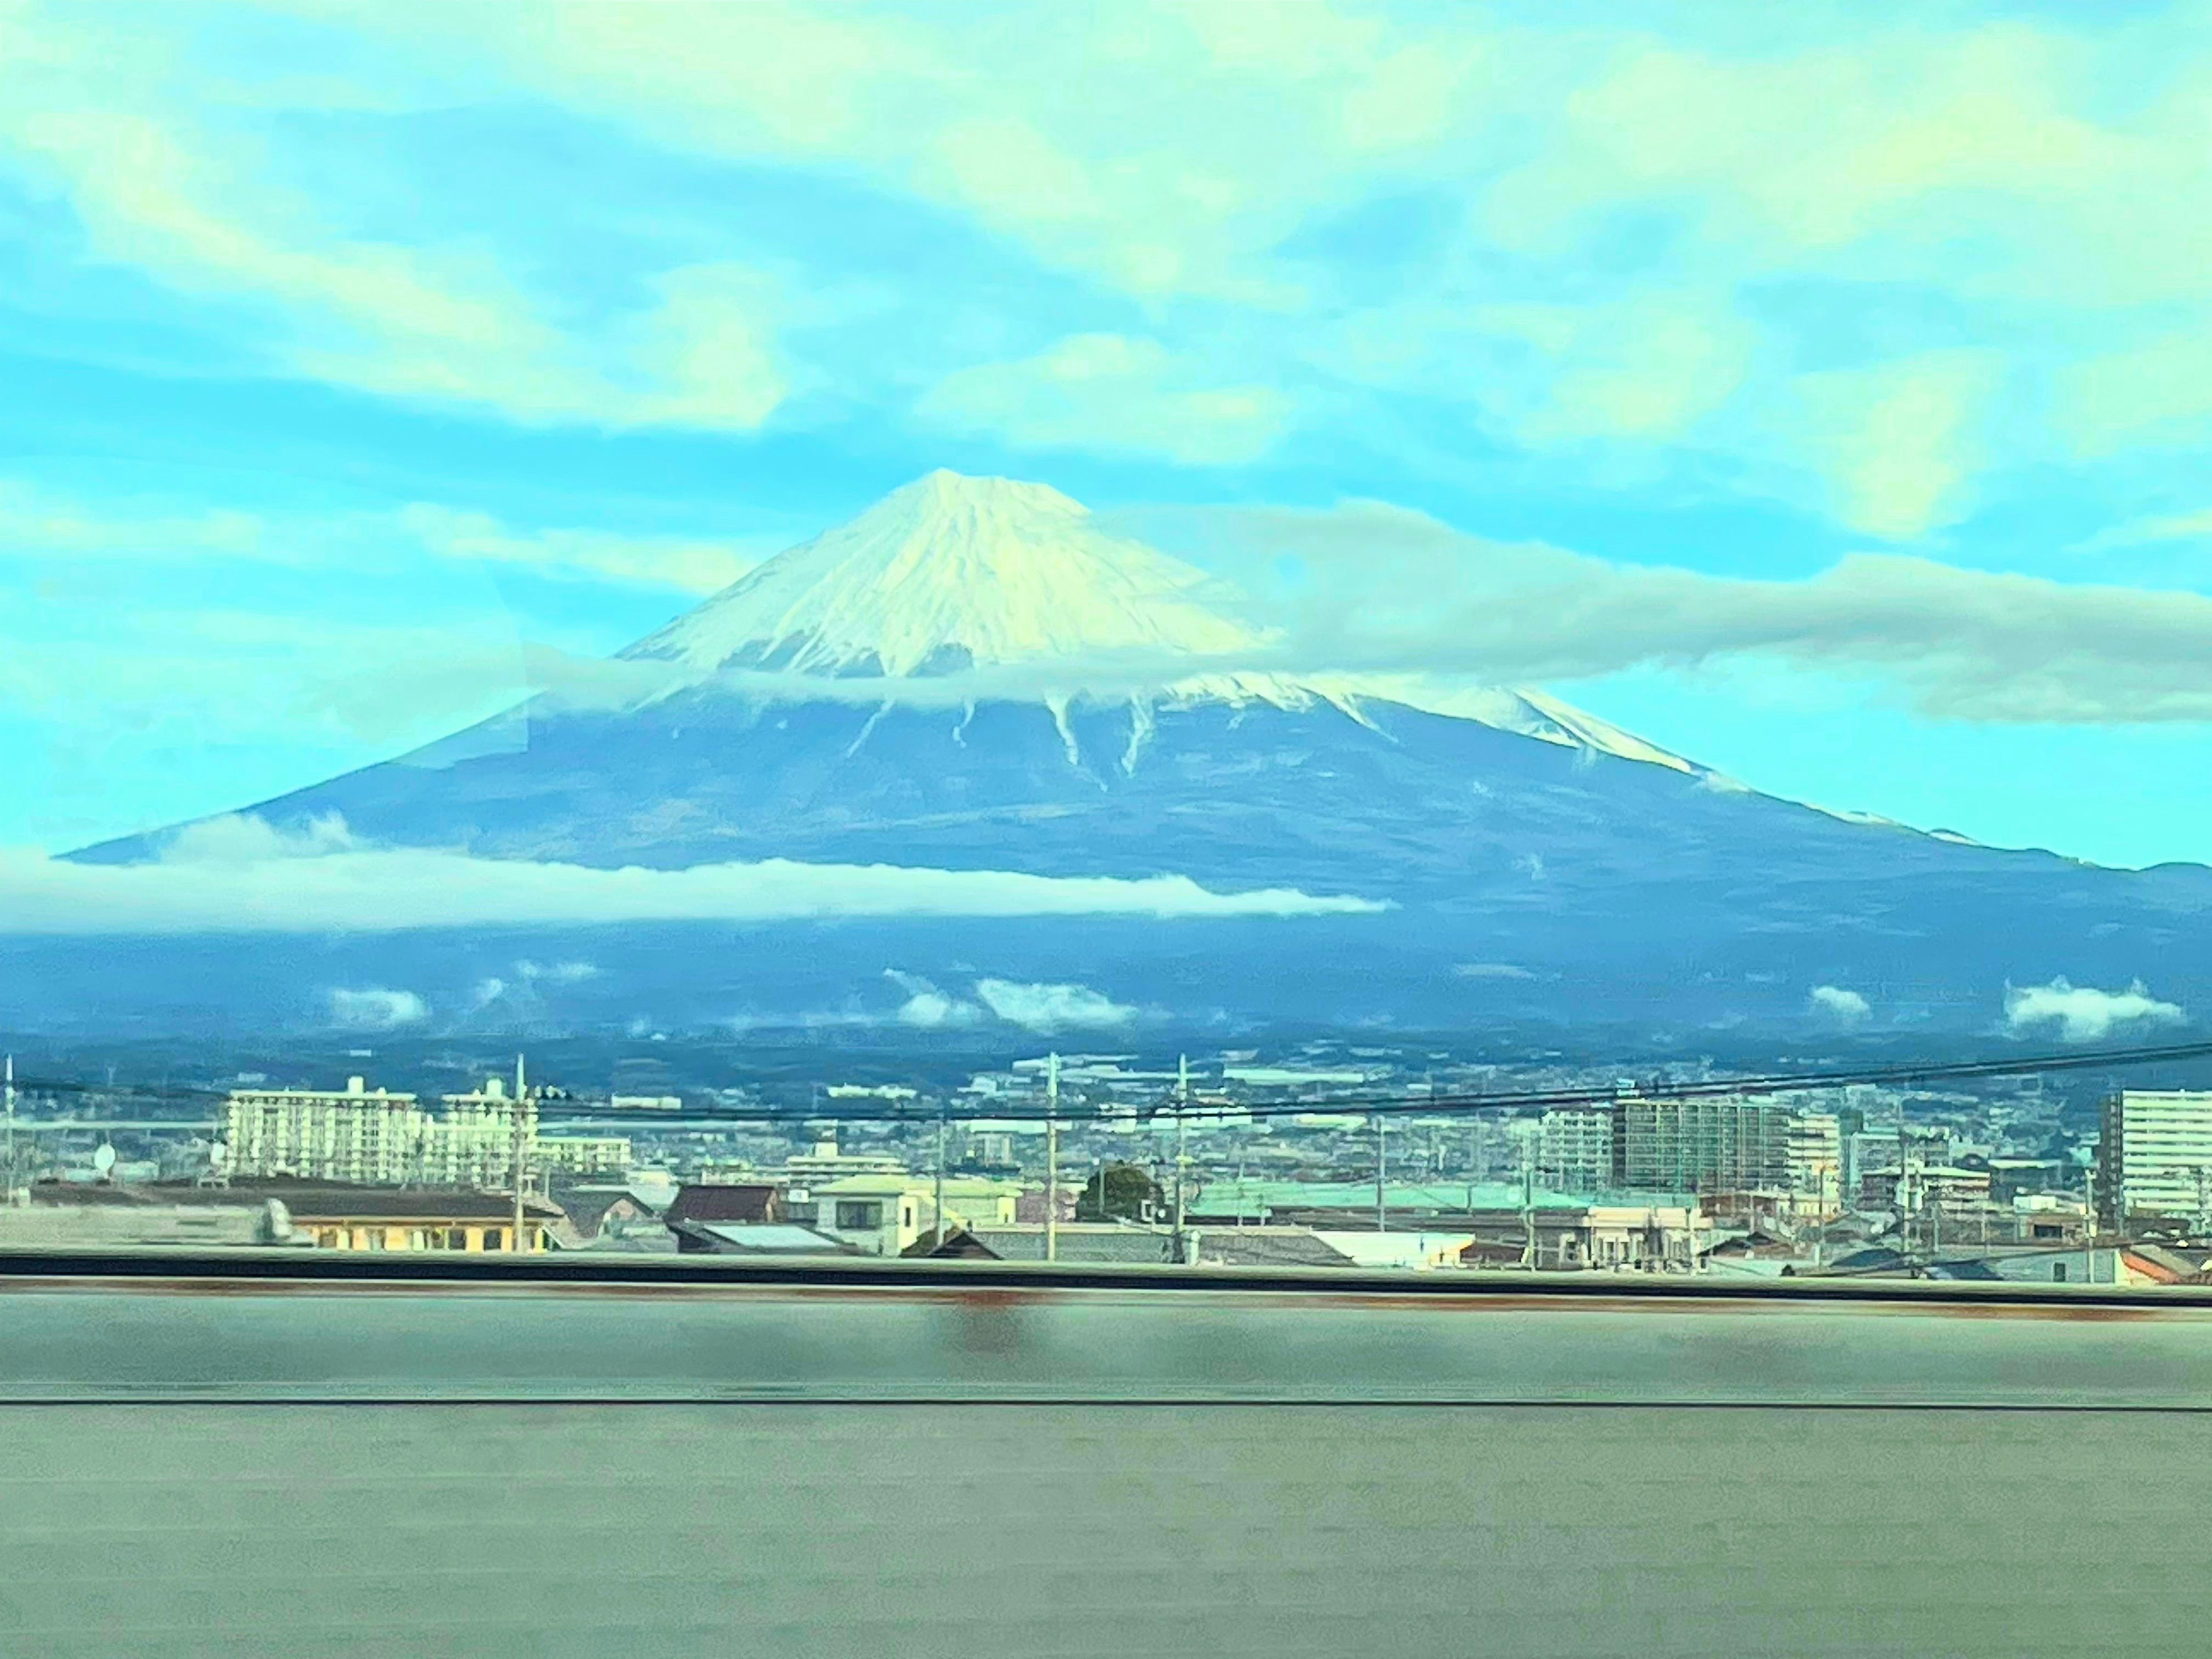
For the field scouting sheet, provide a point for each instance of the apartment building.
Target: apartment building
(376, 1138)
(2154, 1155)
(1700, 1145)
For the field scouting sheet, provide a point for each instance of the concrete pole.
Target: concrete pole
(1182, 1106)
(1382, 1200)
(1052, 1159)
(938, 1223)
(515, 1238)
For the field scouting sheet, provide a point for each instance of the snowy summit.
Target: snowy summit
(950, 572)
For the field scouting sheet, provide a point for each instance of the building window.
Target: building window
(326, 1238)
(858, 1215)
(2058, 1272)
(457, 1239)
(495, 1238)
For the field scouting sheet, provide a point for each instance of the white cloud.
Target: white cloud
(166, 177)
(926, 1008)
(1492, 970)
(375, 1009)
(214, 883)
(1113, 392)
(1846, 1006)
(1039, 1007)
(556, 973)
(2082, 1013)
(1976, 168)
(1386, 589)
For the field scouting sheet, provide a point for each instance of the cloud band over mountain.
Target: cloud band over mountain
(238, 876)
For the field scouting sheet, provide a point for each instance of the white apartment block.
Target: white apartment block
(1816, 1156)
(374, 1138)
(1574, 1151)
(585, 1154)
(2154, 1155)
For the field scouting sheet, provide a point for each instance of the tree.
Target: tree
(1128, 1189)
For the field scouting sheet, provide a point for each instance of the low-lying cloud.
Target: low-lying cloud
(2082, 1013)
(1052, 1007)
(376, 1009)
(1034, 1006)
(238, 876)
(928, 1009)
(1847, 1007)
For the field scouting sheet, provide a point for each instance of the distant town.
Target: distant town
(1319, 1156)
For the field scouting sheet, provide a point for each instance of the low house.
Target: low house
(753, 1203)
(329, 1215)
(334, 1217)
(755, 1238)
(876, 1214)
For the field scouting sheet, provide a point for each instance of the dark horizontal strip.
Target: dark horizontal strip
(202, 1270)
(1148, 1402)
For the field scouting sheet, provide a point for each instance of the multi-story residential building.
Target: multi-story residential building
(584, 1154)
(473, 1144)
(1700, 1145)
(376, 1137)
(2154, 1155)
(365, 1137)
(1816, 1158)
(1574, 1149)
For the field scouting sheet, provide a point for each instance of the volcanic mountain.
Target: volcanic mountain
(974, 675)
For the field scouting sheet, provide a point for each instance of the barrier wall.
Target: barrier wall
(226, 1457)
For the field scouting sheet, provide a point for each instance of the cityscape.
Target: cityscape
(1327, 1156)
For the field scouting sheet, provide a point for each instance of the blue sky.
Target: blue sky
(1826, 388)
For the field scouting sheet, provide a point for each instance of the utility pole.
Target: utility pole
(9, 1197)
(938, 1222)
(1819, 1213)
(1381, 1202)
(1182, 1106)
(1052, 1159)
(521, 1093)
(1527, 1202)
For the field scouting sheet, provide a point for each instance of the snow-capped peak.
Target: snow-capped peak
(949, 573)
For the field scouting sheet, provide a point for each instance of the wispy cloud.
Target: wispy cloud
(1107, 392)
(238, 876)
(41, 522)
(2082, 1013)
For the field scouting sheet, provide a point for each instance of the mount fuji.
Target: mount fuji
(973, 676)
